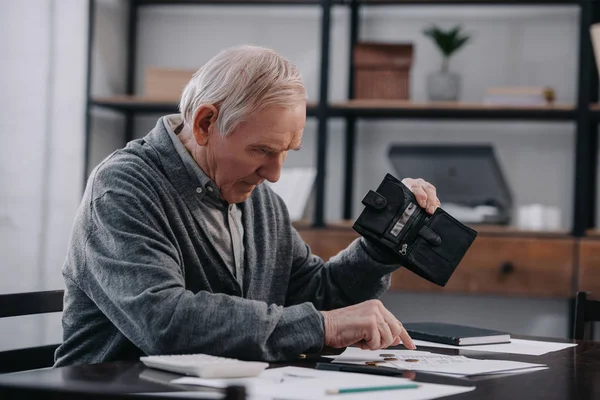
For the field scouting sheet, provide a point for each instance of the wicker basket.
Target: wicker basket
(382, 70)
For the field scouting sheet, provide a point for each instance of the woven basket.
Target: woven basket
(382, 70)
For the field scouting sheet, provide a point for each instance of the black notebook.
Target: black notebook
(458, 335)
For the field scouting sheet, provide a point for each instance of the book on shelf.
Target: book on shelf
(519, 96)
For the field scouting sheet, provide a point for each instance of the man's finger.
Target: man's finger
(373, 339)
(420, 195)
(406, 340)
(432, 200)
(385, 333)
(393, 323)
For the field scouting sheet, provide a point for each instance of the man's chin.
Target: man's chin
(239, 197)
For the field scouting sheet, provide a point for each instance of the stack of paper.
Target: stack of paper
(303, 383)
(459, 366)
(516, 346)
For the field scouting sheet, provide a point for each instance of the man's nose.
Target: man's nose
(271, 170)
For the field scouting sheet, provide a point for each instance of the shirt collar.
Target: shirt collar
(173, 124)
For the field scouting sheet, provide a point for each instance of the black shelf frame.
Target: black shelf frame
(585, 119)
(130, 108)
(472, 114)
(468, 2)
(145, 107)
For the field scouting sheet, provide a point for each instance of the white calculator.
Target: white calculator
(205, 366)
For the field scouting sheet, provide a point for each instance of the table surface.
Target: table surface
(573, 373)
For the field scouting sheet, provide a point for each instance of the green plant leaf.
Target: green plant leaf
(449, 41)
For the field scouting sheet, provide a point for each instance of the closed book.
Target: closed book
(457, 335)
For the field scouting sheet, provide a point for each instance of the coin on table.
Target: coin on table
(386, 355)
(374, 363)
(390, 359)
(411, 360)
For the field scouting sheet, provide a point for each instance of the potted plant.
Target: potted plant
(444, 85)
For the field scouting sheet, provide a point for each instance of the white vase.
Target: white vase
(443, 86)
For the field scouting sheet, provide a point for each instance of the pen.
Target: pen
(372, 388)
(365, 369)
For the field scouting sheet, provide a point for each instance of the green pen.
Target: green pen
(372, 388)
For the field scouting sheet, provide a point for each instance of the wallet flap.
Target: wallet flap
(375, 200)
(433, 238)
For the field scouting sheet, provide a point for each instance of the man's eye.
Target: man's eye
(265, 151)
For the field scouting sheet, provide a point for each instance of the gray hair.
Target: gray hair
(240, 81)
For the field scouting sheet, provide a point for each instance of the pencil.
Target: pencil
(372, 388)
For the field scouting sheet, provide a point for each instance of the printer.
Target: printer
(468, 179)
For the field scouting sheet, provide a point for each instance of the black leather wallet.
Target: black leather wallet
(431, 246)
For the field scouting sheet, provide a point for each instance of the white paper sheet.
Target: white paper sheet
(516, 346)
(297, 383)
(431, 362)
(356, 354)
(521, 371)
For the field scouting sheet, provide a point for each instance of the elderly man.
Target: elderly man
(179, 247)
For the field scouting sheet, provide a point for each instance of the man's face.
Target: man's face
(254, 151)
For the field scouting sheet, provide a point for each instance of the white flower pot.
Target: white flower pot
(443, 86)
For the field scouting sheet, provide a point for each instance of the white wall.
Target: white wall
(42, 76)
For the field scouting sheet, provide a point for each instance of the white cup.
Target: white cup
(538, 217)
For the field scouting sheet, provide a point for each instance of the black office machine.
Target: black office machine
(429, 245)
(468, 179)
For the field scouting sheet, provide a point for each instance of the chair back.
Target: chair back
(21, 304)
(587, 311)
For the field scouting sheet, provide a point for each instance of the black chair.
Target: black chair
(587, 311)
(20, 304)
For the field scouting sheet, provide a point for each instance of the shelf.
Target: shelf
(135, 104)
(486, 230)
(140, 104)
(449, 110)
(592, 233)
(362, 2)
(230, 2)
(470, 2)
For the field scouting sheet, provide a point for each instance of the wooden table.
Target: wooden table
(574, 373)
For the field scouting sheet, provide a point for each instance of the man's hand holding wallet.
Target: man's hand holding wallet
(424, 239)
(404, 220)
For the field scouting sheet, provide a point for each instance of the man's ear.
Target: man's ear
(205, 123)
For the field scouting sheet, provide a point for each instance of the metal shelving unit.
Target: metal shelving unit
(585, 114)
(130, 105)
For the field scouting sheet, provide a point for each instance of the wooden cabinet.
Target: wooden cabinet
(507, 265)
(327, 242)
(589, 266)
(498, 262)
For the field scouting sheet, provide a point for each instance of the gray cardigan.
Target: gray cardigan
(142, 276)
